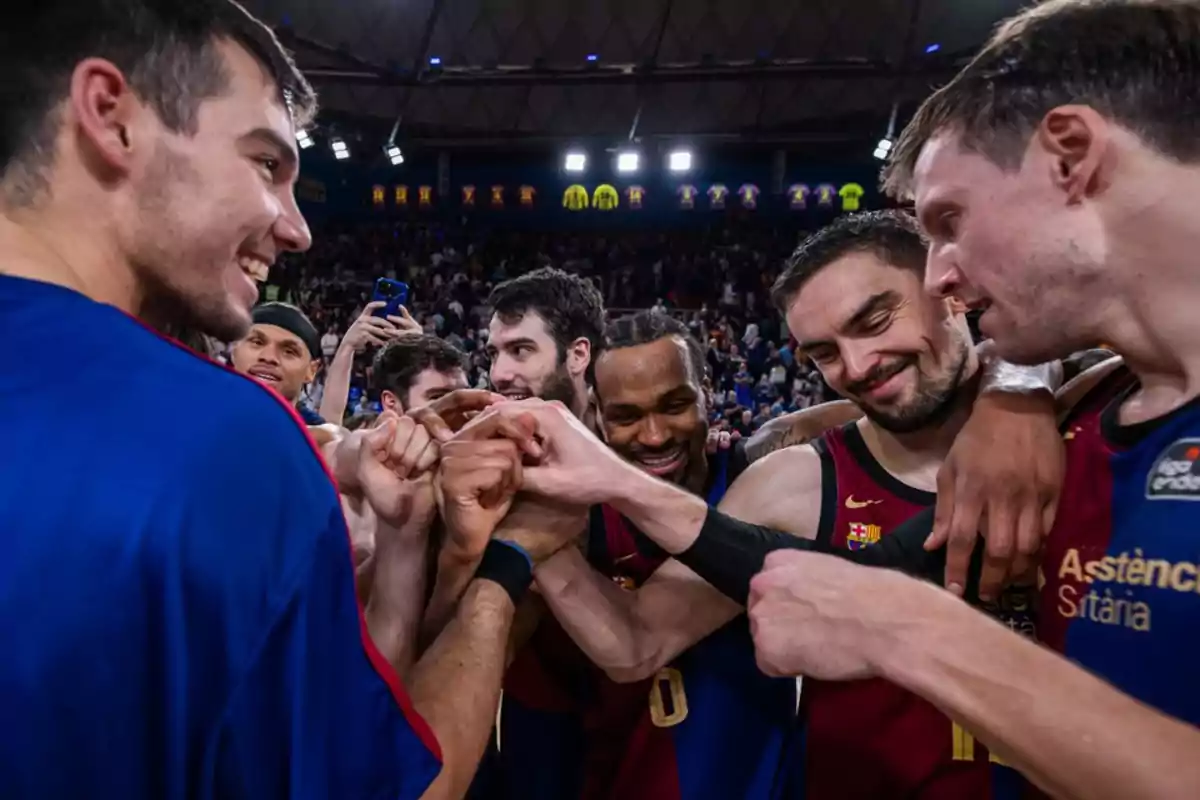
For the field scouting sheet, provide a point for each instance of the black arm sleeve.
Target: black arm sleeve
(729, 552)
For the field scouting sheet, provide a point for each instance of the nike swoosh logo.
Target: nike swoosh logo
(852, 503)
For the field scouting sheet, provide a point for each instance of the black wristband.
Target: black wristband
(508, 566)
(729, 552)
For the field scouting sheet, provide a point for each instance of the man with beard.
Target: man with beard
(1078, 121)
(709, 724)
(853, 297)
(545, 331)
(201, 638)
(283, 351)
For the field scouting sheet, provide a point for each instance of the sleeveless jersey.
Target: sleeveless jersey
(709, 725)
(870, 739)
(1120, 580)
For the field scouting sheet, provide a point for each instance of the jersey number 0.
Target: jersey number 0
(668, 688)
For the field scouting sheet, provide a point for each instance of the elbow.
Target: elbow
(637, 670)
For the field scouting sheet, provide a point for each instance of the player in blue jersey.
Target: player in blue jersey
(178, 602)
(1051, 176)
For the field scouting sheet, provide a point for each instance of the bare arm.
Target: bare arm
(799, 427)
(1072, 733)
(454, 572)
(456, 685)
(633, 634)
(337, 384)
(397, 596)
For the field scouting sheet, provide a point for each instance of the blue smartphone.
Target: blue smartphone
(394, 293)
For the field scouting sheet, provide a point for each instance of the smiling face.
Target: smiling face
(653, 407)
(277, 358)
(215, 209)
(880, 341)
(1013, 243)
(526, 361)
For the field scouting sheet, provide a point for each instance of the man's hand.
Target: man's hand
(448, 414)
(542, 527)
(393, 456)
(717, 440)
(571, 464)
(370, 330)
(1002, 477)
(823, 617)
(480, 473)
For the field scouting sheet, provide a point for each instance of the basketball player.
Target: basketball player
(1078, 119)
(147, 160)
(707, 725)
(853, 296)
(283, 351)
(410, 372)
(546, 327)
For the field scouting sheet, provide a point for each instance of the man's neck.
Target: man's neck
(73, 256)
(1150, 318)
(915, 458)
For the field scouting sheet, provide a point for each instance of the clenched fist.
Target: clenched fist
(480, 472)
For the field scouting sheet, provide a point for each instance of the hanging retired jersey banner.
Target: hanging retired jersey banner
(468, 196)
(575, 198)
(497, 196)
(748, 192)
(825, 194)
(401, 196)
(378, 194)
(687, 196)
(605, 198)
(716, 196)
(424, 196)
(851, 194)
(635, 195)
(798, 196)
(525, 195)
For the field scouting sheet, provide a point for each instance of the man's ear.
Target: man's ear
(391, 402)
(313, 368)
(1080, 143)
(108, 117)
(579, 356)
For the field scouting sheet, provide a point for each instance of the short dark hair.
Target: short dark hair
(571, 306)
(167, 50)
(892, 235)
(645, 327)
(1134, 61)
(398, 363)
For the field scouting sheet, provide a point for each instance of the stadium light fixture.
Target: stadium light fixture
(593, 57)
(627, 162)
(304, 139)
(679, 161)
(394, 155)
(883, 148)
(435, 61)
(933, 48)
(575, 162)
(340, 151)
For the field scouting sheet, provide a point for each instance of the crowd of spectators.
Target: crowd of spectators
(716, 280)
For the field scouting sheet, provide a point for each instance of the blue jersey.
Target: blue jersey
(176, 595)
(709, 725)
(1121, 572)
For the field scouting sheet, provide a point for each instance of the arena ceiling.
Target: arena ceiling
(517, 71)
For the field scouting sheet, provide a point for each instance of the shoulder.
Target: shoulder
(781, 490)
(232, 457)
